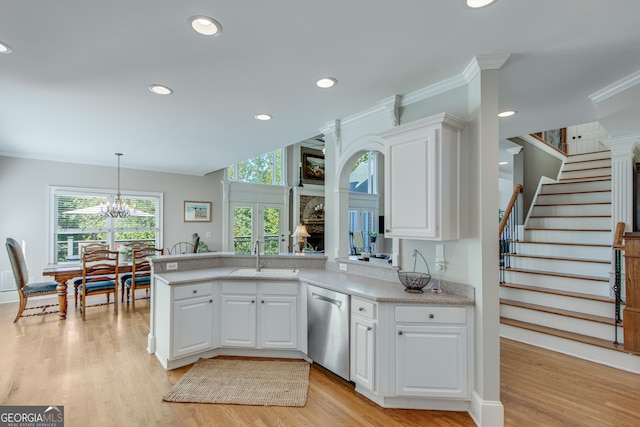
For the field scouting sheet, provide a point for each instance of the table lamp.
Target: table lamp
(301, 232)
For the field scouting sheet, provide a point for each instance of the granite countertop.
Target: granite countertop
(351, 284)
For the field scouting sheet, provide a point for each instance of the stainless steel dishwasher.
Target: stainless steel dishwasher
(328, 329)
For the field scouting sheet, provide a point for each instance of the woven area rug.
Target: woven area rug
(243, 382)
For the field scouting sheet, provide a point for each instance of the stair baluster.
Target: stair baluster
(508, 231)
(618, 247)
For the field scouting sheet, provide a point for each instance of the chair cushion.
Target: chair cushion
(40, 288)
(99, 286)
(144, 280)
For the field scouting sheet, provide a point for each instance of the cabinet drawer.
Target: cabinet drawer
(239, 288)
(188, 291)
(288, 288)
(363, 308)
(431, 314)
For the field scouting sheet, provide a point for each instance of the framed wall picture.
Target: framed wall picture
(197, 211)
(313, 167)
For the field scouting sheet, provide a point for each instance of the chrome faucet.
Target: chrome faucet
(256, 248)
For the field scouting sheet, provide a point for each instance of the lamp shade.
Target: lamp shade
(301, 231)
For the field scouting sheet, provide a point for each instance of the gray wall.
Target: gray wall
(535, 163)
(24, 191)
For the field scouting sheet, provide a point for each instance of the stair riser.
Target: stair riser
(615, 359)
(595, 155)
(568, 210)
(575, 223)
(562, 266)
(571, 166)
(587, 173)
(559, 199)
(598, 308)
(572, 187)
(585, 252)
(562, 236)
(565, 323)
(567, 284)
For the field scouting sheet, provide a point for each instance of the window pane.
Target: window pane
(242, 216)
(271, 231)
(79, 219)
(360, 176)
(264, 169)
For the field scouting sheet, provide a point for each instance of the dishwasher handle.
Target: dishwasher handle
(327, 299)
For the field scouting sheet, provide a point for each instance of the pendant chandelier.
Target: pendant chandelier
(118, 209)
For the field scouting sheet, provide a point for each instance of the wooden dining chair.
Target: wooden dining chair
(25, 289)
(140, 277)
(82, 248)
(99, 276)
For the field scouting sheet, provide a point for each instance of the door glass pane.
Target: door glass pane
(242, 219)
(271, 231)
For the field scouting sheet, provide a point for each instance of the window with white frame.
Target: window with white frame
(77, 218)
(363, 176)
(264, 169)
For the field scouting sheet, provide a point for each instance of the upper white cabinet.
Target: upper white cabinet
(422, 178)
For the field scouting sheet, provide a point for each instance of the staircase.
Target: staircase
(556, 292)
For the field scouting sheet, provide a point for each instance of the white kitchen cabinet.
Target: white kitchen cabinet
(363, 343)
(259, 315)
(238, 320)
(422, 178)
(192, 313)
(279, 321)
(431, 352)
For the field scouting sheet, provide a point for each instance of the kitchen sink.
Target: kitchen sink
(265, 272)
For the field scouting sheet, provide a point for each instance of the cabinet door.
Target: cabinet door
(411, 174)
(279, 322)
(431, 361)
(238, 320)
(363, 352)
(192, 329)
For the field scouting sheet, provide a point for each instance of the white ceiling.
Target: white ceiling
(75, 87)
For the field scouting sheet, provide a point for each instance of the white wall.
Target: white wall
(24, 209)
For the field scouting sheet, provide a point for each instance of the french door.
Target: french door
(258, 221)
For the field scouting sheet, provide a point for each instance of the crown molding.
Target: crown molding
(615, 88)
(477, 64)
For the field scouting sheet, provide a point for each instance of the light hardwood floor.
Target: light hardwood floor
(100, 371)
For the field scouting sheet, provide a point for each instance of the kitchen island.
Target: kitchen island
(406, 350)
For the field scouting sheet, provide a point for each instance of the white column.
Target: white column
(623, 159)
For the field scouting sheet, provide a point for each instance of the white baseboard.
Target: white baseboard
(486, 413)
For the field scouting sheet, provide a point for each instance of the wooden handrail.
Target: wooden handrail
(618, 236)
(516, 191)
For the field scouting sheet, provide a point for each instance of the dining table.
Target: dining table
(64, 272)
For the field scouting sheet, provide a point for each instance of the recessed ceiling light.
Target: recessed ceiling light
(5, 48)
(205, 25)
(475, 4)
(160, 89)
(263, 116)
(503, 163)
(507, 113)
(326, 82)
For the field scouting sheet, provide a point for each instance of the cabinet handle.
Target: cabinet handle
(431, 315)
(399, 332)
(368, 328)
(195, 291)
(388, 230)
(253, 301)
(360, 308)
(211, 300)
(262, 302)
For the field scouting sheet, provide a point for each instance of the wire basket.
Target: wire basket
(414, 282)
